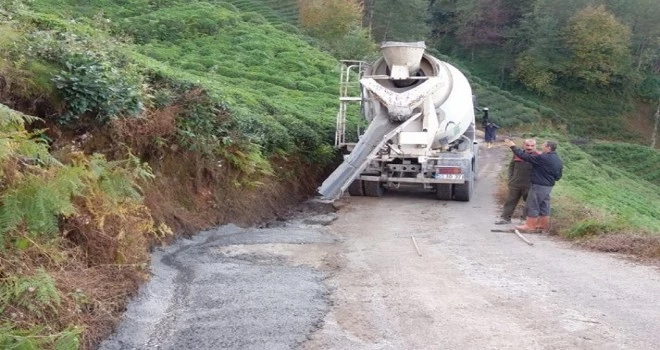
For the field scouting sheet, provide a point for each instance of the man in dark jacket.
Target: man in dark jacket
(489, 133)
(547, 169)
(484, 119)
(520, 176)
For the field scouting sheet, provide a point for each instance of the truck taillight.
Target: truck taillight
(448, 170)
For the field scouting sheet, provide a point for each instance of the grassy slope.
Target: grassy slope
(256, 69)
(602, 194)
(273, 10)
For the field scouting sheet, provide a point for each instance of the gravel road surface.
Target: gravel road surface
(354, 280)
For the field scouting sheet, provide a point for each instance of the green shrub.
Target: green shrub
(306, 86)
(288, 28)
(649, 89)
(264, 131)
(172, 24)
(253, 17)
(591, 228)
(88, 85)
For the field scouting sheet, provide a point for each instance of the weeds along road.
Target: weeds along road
(358, 282)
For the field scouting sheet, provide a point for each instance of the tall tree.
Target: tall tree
(642, 17)
(481, 23)
(442, 18)
(329, 19)
(599, 46)
(398, 20)
(536, 43)
(338, 23)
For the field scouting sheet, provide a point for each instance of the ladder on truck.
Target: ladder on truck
(349, 84)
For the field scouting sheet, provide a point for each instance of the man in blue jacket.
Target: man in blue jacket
(547, 169)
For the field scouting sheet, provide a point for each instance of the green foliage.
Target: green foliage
(398, 20)
(92, 86)
(239, 58)
(36, 294)
(635, 159)
(274, 11)
(26, 78)
(91, 74)
(607, 198)
(264, 131)
(38, 197)
(14, 139)
(38, 201)
(330, 19)
(179, 22)
(535, 74)
(354, 45)
(35, 193)
(119, 180)
(566, 55)
(38, 338)
(591, 227)
(599, 46)
(649, 89)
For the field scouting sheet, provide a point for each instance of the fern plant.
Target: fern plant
(36, 293)
(39, 199)
(36, 338)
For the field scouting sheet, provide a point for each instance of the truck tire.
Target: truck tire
(443, 192)
(373, 189)
(355, 189)
(463, 192)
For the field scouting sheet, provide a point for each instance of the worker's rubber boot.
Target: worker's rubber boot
(530, 224)
(543, 224)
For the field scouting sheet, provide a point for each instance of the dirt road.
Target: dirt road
(473, 289)
(359, 283)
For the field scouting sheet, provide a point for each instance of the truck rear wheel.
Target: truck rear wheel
(373, 189)
(356, 189)
(463, 192)
(443, 192)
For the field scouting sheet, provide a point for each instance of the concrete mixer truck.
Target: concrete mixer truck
(421, 130)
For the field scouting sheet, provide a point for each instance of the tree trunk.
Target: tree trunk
(654, 136)
(371, 18)
(641, 55)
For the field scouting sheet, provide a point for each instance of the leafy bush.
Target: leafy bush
(288, 28)
(88, 85)
(172, 24)
(649, 89)
(265, 131)
(253, 17)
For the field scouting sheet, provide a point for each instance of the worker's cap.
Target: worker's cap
(485, 108)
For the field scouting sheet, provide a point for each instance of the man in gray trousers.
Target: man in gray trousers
(547, 169)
